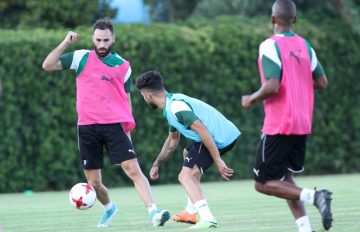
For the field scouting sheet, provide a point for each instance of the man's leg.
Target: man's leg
(190, 180)
(296, 197)
(297, 208)
(141, 183)
(93, 177)
(132, 170)
(189, 215)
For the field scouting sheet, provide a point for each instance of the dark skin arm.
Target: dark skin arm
(321, 82)
(271, 87)
(268, 89)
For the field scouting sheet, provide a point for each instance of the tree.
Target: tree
(171, 10)
(214, 8)
(178, 10)
(52, 13)
(349, 11)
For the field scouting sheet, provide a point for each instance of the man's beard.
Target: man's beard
(102, 52)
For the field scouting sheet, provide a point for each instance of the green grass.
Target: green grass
(235, 204)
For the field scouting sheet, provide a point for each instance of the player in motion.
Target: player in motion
(212, 133)
(289, 73)
(105, 119)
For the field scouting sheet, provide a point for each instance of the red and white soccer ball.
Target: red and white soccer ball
(82, 196)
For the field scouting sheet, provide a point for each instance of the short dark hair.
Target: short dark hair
(284, 9)
(150, 80)
(103, 24)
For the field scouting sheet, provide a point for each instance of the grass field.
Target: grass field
(235, 204)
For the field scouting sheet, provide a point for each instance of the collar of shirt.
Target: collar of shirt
(167, 98)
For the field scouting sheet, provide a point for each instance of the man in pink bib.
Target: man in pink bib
(105, 119)
(289, 72)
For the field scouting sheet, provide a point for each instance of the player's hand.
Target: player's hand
(224, 170)
(154, 173)
(246, 102)
(71, 37)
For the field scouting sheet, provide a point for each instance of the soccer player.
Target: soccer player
(212, 135)
(105, 119)
(289, 73)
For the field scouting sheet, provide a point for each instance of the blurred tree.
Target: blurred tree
(178, 10)
(213, 8)
(350, 12)
(171, 10)
(52, 13)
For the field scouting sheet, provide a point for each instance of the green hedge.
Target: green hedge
(215, 61)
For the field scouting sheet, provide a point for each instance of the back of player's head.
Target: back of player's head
(103, 24)
(284, 10)
(150, 80)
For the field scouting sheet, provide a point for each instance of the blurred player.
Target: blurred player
(289, 73)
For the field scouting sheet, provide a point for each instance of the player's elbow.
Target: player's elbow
(46, 67)
(324, 84)
(272, 86)
(49, 66)
(274, 89)
(321, 83)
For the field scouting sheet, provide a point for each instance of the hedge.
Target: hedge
(215, 61)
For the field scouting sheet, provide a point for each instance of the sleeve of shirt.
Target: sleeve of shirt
(66, 60)
(72, 60)
(129, 86)
(270, 59)
(316, 67)
(183, 112)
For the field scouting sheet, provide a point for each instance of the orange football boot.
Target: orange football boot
(185, 217)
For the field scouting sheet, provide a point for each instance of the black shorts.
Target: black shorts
(198, 154)
(278, 154)
(93, 138)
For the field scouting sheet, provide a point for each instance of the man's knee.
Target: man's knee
(263, 187)
(259, 187)
(131, 168)
(185, 175)
(96, 183)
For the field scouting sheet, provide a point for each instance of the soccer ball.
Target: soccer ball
(82, 196)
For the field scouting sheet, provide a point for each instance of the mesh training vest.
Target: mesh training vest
(100, 94)
(290, 110)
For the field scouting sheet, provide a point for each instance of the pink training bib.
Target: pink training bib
(290, 110)
(101, 96)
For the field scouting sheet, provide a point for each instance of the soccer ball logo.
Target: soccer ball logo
(82, 196)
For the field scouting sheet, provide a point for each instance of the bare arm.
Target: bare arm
(268, 89)
(209, 143)
(169, 146)
(52, 61)
(321, 82)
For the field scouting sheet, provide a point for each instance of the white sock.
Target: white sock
(307, 196)
(152, 208)
(190, 207)
(303, 224)
(204, 210)
(108, 206)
